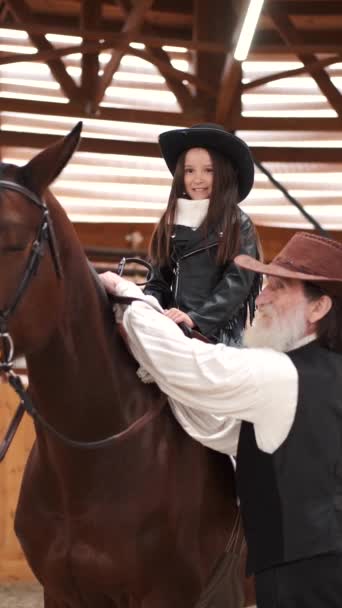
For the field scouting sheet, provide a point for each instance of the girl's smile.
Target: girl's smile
(198, 173)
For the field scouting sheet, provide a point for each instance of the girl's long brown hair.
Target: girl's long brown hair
(222, 213)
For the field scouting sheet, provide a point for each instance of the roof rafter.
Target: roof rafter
(8, 104)
(89, 17)
(246, 123)
(290, 35)
(154, 16)
(332, 7)
(167, 68)
(175, 85)
(3, 11)
(151, 150)
(213, 21)
(315, 65)
(21, 12)
(230, 89)
(110, 39)
(95, 47)
(132, 25)
(243, 123)
(229, 96)
(310, 40)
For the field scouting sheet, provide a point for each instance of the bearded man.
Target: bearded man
(278, 405)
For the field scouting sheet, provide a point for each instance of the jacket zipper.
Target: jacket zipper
(177, 279)
(187, 255)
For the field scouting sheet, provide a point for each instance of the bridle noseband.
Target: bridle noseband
(45, 234)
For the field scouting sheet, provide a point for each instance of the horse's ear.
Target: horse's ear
(43, 168)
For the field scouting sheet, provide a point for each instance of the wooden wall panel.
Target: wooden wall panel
(274, 239)
(114, 235)
(13, 566)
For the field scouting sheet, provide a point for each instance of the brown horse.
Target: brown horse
(142, 520)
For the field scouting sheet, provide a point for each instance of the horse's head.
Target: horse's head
(31, 271)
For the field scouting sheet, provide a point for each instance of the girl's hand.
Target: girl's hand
(111, 281)
(178, 316)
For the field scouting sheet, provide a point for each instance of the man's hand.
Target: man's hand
(111, 281)
(178, 316)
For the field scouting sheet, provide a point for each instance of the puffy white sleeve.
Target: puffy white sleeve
(213, 387)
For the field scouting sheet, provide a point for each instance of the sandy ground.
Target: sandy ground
(20, 596)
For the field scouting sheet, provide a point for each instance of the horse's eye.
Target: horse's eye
(13, 239)
(12, 248)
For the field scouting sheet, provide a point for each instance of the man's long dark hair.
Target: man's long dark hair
(329, 329)
(222, 216)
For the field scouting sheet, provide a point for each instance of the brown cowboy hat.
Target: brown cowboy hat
(210, 135)
(307, 257)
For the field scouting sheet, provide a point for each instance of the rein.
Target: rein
(27, 406)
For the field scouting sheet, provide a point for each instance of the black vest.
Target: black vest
(291, 500)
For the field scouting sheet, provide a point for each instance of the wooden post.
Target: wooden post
(13, 566)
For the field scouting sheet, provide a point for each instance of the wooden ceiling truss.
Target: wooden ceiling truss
(212, 89)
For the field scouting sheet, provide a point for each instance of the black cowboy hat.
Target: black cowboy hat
(210, 135)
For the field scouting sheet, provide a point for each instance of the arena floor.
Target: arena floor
(20, 596)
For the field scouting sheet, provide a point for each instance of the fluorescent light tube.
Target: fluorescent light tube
(248, 29)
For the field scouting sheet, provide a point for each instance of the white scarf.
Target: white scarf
(191, 212)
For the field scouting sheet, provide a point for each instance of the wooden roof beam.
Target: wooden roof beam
(245, 123)
(230, 89)
(162, 61)
(175, 85)
(318, 64)
(87, 144)
(269, 41)
(111, 39)
(290, 35)
(3, 11)
(172, 15)
(311, 9)
(90, 17)
(22, 13)
(151, 150)
(213, 21)
(241, 123)
(95, 47)
(132, 25)
(229, 94)
(44, 108)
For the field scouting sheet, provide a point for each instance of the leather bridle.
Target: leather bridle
(45, 234)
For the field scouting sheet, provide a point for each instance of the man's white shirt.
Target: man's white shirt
(213, 387)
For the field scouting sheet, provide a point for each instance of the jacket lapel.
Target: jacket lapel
(195, 239)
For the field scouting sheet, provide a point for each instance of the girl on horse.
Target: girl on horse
(193, 246)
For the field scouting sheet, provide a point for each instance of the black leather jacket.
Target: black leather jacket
(215, 297)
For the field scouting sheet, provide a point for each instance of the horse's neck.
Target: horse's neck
(84, 377)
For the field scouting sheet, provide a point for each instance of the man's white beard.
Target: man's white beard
(281, 333)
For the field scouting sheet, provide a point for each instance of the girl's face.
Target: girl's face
(198, 173)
